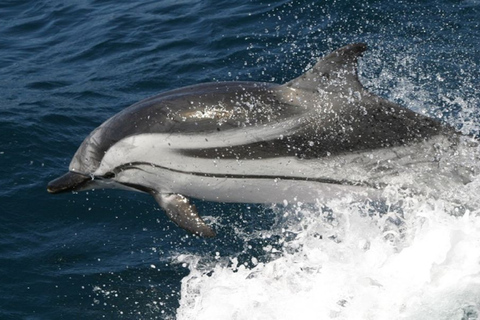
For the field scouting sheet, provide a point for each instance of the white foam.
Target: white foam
(363, 267)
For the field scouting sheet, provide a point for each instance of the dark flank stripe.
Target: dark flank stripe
(134, 165)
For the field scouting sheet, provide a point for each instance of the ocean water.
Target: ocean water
(65, 67)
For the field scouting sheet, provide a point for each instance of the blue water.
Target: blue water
(65, 67)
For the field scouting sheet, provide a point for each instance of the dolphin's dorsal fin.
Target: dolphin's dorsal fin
(184, 214)
(333, 71)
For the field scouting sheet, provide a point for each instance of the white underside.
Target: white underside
(240, 190)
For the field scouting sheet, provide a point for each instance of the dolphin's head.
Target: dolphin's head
(83, 164)
(84, 172)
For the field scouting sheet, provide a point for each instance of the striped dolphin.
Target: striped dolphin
(318, 136)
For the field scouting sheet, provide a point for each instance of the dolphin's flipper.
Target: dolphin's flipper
(334, 71)
(184, 214)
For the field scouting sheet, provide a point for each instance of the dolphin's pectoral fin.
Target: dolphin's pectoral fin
(184, 214)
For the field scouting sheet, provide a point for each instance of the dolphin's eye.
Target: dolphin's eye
(109, 175)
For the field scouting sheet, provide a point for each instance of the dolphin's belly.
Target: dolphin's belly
(246, 189)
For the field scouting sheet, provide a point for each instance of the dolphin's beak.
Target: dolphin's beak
(68, 182)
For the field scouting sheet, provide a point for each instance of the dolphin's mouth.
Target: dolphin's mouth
(68, 182)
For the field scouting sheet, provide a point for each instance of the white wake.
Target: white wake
(415, 261)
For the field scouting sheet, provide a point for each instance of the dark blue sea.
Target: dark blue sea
(67, 66)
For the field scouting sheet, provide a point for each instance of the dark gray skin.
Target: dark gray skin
(328, 106)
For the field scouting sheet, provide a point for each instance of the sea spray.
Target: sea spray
(411, 259)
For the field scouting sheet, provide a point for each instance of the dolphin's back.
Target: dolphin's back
(199, 109)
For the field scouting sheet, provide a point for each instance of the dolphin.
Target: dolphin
(319, 136)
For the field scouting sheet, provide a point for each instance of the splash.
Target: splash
(349, 261)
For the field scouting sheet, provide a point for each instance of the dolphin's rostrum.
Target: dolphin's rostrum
(314, 137)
